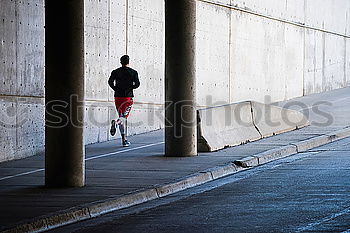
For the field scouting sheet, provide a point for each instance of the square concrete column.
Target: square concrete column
(64, 93)
(180, 78)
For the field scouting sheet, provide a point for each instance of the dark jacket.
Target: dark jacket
(123, 80)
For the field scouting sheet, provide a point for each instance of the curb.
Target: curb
(292, 149)
(95, 209)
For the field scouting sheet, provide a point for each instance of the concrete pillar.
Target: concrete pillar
(180, 82)
(64, 93)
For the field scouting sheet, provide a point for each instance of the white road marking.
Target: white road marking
(22, 174)
(326, 219)
(122, 151)
(88, 159)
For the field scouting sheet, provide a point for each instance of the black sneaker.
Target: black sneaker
(113, 129)
(126, 143)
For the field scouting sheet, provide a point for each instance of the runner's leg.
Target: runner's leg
(126, 115)
(121, 123)
(126, 127)
(124, 107)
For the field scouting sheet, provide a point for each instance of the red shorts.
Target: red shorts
(123, 105)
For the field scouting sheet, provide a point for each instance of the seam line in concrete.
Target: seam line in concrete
(69, 216)
(296, 147)
(126, 26)
(299, 24)
(253, 119)
(21, 96)
(157, 193)
(212, 176)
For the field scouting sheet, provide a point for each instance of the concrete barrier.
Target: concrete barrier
(224, 126)
(239, 123)
(272, 120)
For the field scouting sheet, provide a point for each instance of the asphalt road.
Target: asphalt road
(308, 192)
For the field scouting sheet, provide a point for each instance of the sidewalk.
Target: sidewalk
(113, 171)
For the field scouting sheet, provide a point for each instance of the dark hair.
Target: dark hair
(124, 60)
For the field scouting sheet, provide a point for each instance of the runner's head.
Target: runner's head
(124, 60)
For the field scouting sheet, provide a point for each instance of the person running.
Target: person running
(123, 81)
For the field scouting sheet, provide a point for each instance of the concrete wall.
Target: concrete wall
(21, 78)
(115, 28)
(246, 49)
(280, 49)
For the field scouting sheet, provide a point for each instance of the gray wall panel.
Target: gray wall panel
(8, 42)
(30, 44)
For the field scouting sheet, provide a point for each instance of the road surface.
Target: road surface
(308, 192)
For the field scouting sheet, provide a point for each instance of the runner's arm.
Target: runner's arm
(111, 81)
(136, 81)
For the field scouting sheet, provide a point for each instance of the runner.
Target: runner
(123, 81)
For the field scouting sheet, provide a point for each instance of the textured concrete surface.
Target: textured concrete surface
(65, 86)
(213, 54)
(21, 78)
(275, 66)
(22, 127)
(113, 171)
(247, 50)
(228, 125)
(271, 120)
(180, 78)
(235, 124)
